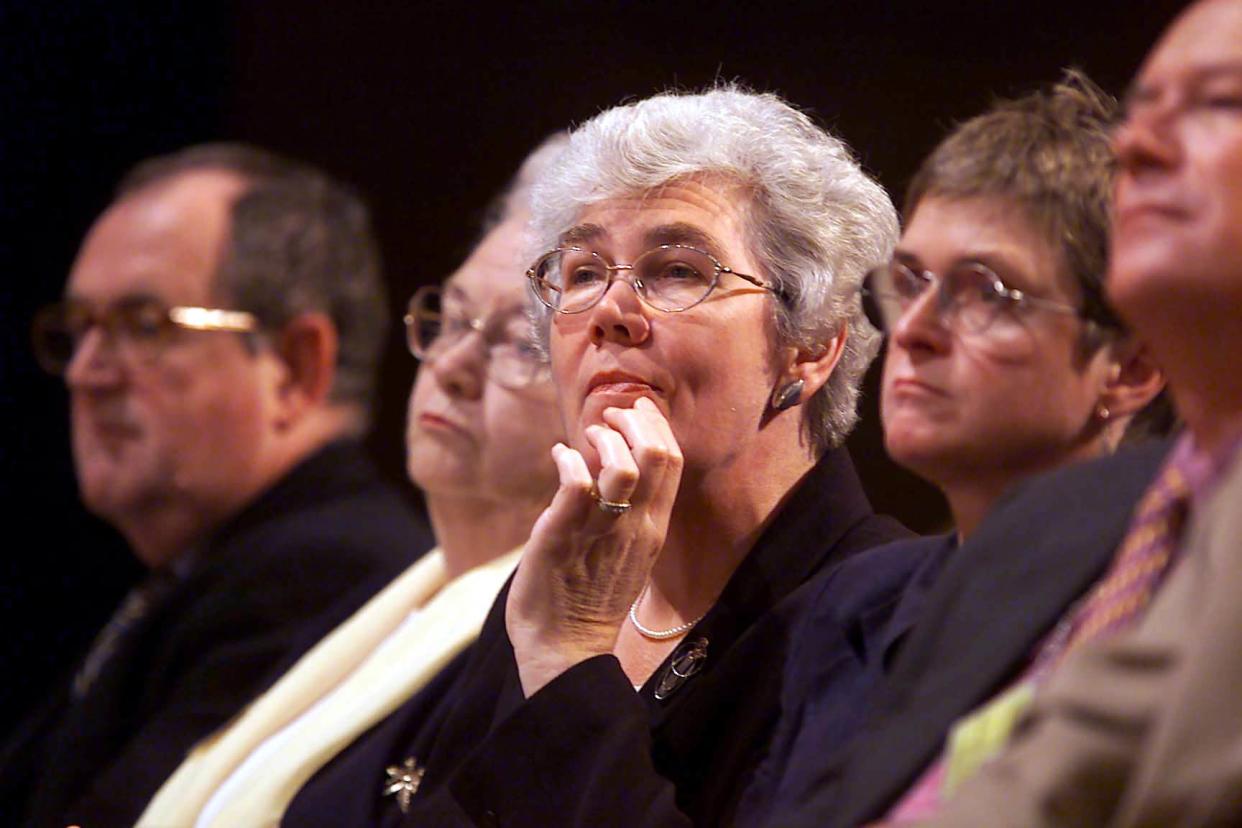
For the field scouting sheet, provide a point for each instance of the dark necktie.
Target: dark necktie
(140, 600)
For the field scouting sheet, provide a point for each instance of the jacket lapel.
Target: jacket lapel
(999, 595)
(803, 536)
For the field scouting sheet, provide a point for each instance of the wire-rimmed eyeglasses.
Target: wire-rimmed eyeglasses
(669, 277)
(138, 327)
(436, 322)
(970, 296)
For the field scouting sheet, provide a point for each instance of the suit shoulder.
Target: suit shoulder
(874, 577)
(1118, 477)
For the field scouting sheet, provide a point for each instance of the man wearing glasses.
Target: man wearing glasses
(218, 338)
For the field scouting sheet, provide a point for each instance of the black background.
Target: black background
(427, 108)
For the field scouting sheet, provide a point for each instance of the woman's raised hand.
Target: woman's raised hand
(585, 564)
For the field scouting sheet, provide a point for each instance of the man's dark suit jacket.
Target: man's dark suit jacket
(211, 640)
(1000, 594)
(587, 750)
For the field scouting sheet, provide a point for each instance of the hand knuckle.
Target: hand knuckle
(625, 474)
(657, 457)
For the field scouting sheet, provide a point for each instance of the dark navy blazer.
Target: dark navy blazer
(861, 613)
(999, 594)
(587, 750)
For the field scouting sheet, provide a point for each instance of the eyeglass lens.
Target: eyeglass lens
(969, 296)
(670, 278)
(139, 325)
(423, 322)
(437, 323)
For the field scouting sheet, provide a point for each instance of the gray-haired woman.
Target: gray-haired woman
(702, 258)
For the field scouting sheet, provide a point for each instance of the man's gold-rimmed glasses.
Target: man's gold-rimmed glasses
(137, 327)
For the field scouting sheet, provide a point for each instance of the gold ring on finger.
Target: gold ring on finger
(609, 507)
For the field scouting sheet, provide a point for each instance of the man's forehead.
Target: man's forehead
(1206, 38)
(165, 239)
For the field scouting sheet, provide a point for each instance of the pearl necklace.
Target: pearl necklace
(658, 635)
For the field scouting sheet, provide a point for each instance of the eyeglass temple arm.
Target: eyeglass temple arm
(530, 274)
(212, 319)
(757, 282)
(1051, 304)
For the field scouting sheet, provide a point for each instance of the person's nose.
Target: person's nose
(1147, 138)
(95, 364)
(922, 326)
(461, 368)
(620, 316)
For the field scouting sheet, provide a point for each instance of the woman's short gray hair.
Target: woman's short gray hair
(817, 223)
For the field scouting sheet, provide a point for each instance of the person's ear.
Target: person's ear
(1134, 379)
(806, 371)
(307, 349)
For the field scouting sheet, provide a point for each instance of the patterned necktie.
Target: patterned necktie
(1146, 555)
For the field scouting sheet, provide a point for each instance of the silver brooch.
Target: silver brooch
(403, 781)
(687, 661)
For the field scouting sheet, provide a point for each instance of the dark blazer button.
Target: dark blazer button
(489, 820)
